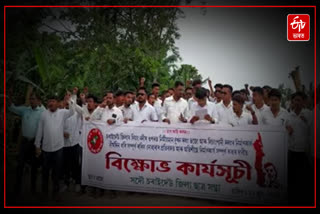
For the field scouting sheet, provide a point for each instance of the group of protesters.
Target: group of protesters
(51, 135)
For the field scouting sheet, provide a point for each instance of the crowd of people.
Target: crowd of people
(52, 134)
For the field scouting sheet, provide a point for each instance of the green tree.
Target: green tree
(185, 73)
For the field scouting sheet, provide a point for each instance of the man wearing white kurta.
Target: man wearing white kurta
(50, 133)
(175, 108)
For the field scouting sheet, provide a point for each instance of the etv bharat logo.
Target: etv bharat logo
(298, 27)
(95, 141)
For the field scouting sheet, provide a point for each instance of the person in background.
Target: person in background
(30, 116)
(266, 90)
(164, 95)
(203, 111)
(119, 98)
(195, 85)
(50, 142)
(276, 115)
(217, 93)
(299, 120)
(245, 97)
(71, 150)
(157, 101)
(188, 93)
(175, 108)
(151, 99)
(258, 105)
(171, 91)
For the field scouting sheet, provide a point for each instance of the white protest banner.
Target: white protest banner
(243, 164)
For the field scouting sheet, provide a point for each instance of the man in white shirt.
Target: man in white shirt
(157, 102)
(30, 116)
(50, 133)
(258, 105)
(119, 98)
(195, 85)
(217, 93)
(224, 108)
(90, 109)
(238, 116)
(299, 170)
(202, 111)
(188, 93)
(126, 108)
(276, 115)
(71, 150)
(111, 114)
(175, 108)
(143, 111)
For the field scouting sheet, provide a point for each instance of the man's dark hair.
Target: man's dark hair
(155, 85)
(91, 96)
(142, 88)
(201, 93)
(196, 82)
(119, 93)
(218, 85)
(150, 94)
(266, 87)
(170, 89)
(53, 97)
(238, 98)
(178, 83)
(128, 92)
(275, 93)
(109, 92)
(164, 92)
(243, 91)
(37, 95)
(188, 88)
(236, 92)
(299, 94)
(228, 86)
(258, 90)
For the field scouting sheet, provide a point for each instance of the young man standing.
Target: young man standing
(258, 105)
(111, 114)
(276, 115)
(143, 111)
(50, 133)
(238, 116)
(175, 108)
(126, 108)
(30, 119)
(203, 111)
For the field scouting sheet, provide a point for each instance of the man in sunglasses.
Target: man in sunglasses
(143, 111)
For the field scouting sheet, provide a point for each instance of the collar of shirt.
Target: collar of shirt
(226, 107)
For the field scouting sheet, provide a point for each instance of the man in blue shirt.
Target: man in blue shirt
(30, 116)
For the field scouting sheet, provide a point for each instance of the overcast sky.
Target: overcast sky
(244, 45)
